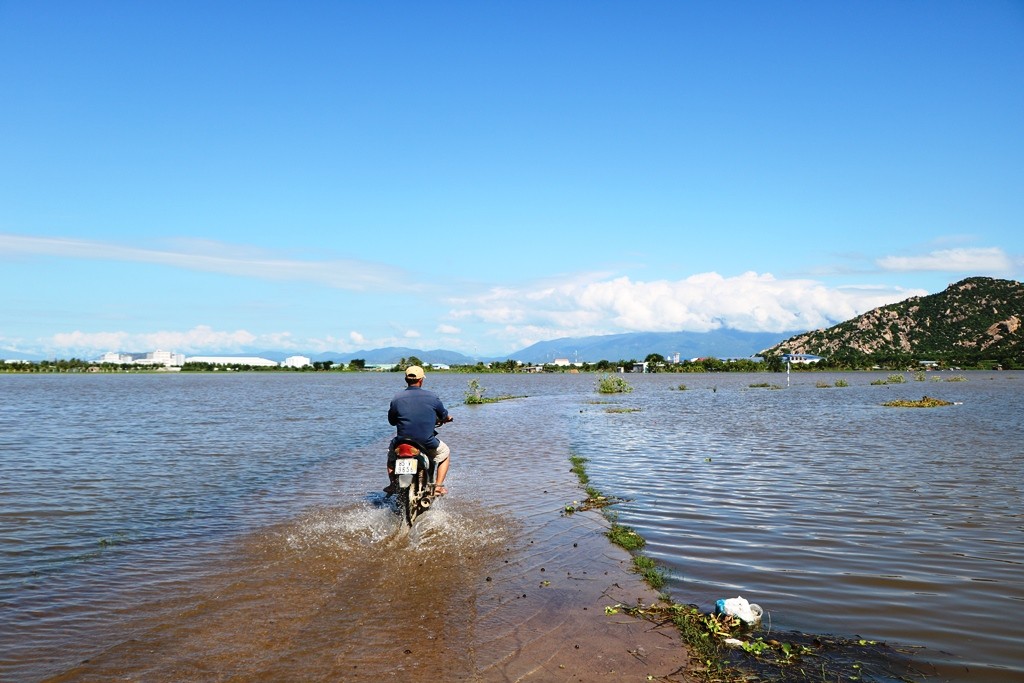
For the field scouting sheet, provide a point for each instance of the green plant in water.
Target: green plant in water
(842, 383)
(613, 385)
(625, 537)
(925, 402)
(578, 468)
(895, 379)
(475, 393)
(654, 575)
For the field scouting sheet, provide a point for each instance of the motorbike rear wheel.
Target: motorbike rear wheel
(410, 503)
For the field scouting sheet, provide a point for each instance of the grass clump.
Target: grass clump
(578, 468)
(625, 537)
(613, 385)
(654, 575)
(842, 383)
(925, 402)
(622, 410)
(475, 395)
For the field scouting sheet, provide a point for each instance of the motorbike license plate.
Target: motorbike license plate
(405, 466)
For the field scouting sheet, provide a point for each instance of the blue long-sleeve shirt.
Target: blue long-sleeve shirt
(415, 412)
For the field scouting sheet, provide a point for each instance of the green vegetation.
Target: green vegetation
(765, 385)
(622, 410)
(654, 575)
(891, 379)
(475, 395)
(925, 402)
(610, 384)
(625, 537)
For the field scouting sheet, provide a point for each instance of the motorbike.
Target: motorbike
(415, 474)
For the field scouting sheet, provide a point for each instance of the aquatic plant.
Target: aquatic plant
(654, 575)
(842, 383)
(622, 410)
(475, 395)
(925, 402)
(625, 537)
(613, 385)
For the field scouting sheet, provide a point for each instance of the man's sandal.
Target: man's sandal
(439, 490)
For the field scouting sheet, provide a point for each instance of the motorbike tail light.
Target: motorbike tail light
(404, 450)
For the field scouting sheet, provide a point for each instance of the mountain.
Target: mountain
(612, 347)
(722, 343)
(976, 318)
(393, 354)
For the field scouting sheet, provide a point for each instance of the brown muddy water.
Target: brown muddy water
(230, 527)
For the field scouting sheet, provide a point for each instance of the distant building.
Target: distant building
(296, 362)
(165, 358)
(116, 358)
(800, 358)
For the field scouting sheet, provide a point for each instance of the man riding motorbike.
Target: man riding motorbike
(415, 412)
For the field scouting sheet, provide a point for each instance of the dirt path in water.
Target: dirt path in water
(510, 591)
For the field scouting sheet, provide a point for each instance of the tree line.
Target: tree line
(846, 359)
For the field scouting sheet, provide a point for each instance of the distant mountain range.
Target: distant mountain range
(974, 319)
(612, 347)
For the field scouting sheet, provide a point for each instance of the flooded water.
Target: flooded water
(230, 527)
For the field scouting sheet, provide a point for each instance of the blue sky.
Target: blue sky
(478, 176)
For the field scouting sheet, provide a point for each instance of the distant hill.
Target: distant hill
(723, 343)
(393, 354)
(612, 347)
(976, 318)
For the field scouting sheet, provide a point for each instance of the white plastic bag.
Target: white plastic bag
(741, 609)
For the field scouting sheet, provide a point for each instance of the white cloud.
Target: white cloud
(198, 339)
(356, 337)
(215, 257)
(750, 302)
(964, 260)
(448, 329)
(411, 334)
